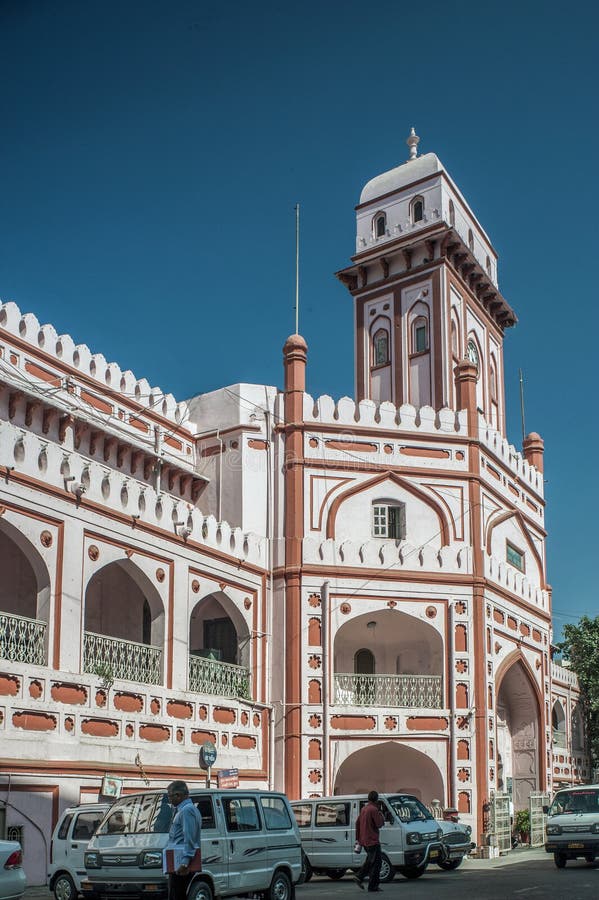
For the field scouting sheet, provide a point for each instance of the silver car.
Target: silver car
(12, 876)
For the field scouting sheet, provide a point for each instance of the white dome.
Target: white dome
(401, 177)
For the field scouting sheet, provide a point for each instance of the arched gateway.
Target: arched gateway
(518, 730)
(390, 767)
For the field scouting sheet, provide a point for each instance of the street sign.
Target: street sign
(228, 778)
(207, 755)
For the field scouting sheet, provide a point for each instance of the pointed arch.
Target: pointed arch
(503, 517)
(400, 482)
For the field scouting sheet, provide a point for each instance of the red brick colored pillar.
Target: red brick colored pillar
(533, 448)
(294, 357)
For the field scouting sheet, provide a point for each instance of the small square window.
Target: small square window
(389, 521)
(514, 556)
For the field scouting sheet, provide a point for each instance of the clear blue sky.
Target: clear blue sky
(151, 154)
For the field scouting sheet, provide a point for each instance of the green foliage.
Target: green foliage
(522, 822)
(105, 674)
(581, 647)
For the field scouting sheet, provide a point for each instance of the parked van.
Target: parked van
(573, 824)
(249, 841)
(70, 838)
(410, 838)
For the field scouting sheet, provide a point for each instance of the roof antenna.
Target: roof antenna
(412, 143)
(297, 225)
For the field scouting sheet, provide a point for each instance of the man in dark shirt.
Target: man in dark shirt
(368, 824)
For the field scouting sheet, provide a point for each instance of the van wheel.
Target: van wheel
(411, 871)
(307, 870)
(560, 860)
(336, 874)
(64, 887)
(387, 870)
(200, 890)
(280, 887)
(450, 864)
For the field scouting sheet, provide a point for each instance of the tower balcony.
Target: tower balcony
(389, 691)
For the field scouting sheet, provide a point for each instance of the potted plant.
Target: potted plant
(522, 825)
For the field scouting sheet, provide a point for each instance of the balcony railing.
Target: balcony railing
(389, 690)
(559, 738)
(114, 658)
(22, 640)
(210, 676)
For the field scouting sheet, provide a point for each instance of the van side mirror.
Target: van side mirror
(545, 810)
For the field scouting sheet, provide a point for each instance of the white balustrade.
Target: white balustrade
(413, 691)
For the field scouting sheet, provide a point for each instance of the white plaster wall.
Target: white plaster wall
(510, 530)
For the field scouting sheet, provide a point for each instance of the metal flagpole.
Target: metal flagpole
(297, 210)
(522, 404)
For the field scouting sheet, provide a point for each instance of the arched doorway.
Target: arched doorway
(558, 725)
(24, 599)
(390, 767)
(124, 624)
(219, 648)
(518, 730)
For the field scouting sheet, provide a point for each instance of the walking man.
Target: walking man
(184, 835)
(368, 825)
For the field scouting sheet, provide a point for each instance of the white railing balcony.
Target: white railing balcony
(414, 691)
(22, 639)
(210, 676)
(559, 738)
(113, 658)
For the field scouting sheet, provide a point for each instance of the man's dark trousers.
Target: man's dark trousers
(371, 867)
(177, 886)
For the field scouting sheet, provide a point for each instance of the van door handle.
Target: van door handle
(346, 835)
(232, 846)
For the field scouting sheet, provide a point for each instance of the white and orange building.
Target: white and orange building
(339, 595)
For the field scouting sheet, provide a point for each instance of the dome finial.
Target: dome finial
(412, 143)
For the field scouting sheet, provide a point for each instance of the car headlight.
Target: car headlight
(554, 829)
(595, 828)
(151, 859)
(92, 860)
(468, 830)
(414, 837)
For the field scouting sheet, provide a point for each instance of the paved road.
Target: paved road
(527, 875)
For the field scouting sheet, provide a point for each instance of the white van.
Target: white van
(70, 838)
(250, 843)
(410, 838)
(572, 828)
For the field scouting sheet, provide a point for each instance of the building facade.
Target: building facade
(338, 595)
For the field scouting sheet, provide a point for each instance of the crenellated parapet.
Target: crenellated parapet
(347, 413)
(507, 454)
(498, 571)
(71, 475)
(43, 341)
(389, 555)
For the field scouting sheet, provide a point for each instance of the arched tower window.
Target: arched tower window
(470, 240)
(380, 347)
(451, 214)
(420, 335)
(417, 209)
(455, 340)
(558, 725)
(379, 225)
(488, 265)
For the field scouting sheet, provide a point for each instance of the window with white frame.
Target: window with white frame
(514, 556)
(388, 520)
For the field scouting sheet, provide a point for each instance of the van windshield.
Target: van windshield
(581, 801)
(138, 815)
(408, 808)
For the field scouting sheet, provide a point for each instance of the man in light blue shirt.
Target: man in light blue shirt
(184, 834)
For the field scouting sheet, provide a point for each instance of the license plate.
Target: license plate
(433, 854)
(575, 846)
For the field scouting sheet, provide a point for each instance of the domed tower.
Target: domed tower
(424, 279)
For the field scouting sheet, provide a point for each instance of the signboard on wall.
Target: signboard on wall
(228, 778)
(111, 787)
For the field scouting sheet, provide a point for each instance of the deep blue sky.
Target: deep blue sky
(151, 154)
